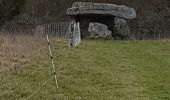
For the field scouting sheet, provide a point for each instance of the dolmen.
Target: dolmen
(101, 19)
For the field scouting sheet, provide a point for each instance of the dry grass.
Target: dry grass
(30, 72)
(14, 48)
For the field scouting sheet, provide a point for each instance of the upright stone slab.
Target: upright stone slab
(121, 28)
(75, 33)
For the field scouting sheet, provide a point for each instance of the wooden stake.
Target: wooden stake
(52, 61)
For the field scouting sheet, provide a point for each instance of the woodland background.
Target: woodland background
(150, 13)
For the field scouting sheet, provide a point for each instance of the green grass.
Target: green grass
(98, 70)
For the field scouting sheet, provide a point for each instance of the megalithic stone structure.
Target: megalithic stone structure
(99, 14)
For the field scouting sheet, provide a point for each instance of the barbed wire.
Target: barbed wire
(63, 39)
(65, 46)
(10, 90)
(36, 51)
(65, 57)
(20, 66)
(52, 58)
(52, 76)
(23, 79)
(15, 62)
(40, 87)
(62, 64)
(32, 74)
(68, 43)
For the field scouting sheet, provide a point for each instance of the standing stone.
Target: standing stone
(121, 28)
(75, 35)
(98, 30)
(40, 29)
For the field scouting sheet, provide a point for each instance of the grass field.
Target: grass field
(96, 70)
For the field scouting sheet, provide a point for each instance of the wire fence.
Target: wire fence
(14, 82)
(149, 34)
(59, 29)
(16, 77)
(55, 29)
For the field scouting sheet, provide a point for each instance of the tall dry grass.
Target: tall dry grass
(14, 48)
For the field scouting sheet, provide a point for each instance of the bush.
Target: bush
(10, 8)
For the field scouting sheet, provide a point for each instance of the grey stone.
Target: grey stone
(98, 30)
(121, 27)
(75, 34)
(40, 29)
(82, 8)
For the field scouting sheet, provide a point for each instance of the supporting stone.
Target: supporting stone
(75, 34)
(121, 29)
(98, 30)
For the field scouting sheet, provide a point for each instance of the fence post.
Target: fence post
(144, 33)
(52, 61)
(164, 34)
(154, 34)
(133, 34)
(59, 29)
(160, 35)
(139, 35)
